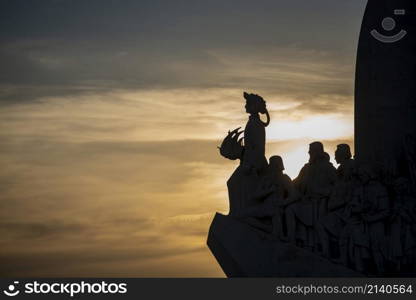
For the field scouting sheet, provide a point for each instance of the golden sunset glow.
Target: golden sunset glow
(319, 127)
(308, 129)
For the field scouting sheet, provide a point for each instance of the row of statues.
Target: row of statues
(352, 214)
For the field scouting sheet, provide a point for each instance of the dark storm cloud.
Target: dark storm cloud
(67, 47)
(185, 22)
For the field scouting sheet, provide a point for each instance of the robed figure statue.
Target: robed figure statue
(245, 182)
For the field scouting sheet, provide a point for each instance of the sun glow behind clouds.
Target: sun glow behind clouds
(317, 127)
(304, 130)
(294, 160)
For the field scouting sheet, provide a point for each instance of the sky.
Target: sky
(111, 113)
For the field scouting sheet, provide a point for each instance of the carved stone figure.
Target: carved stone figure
(284, 194)
(364, 235)
(254, 134)
(275, 193)
(346, 167)
(402, 225)
(330, 227)
(244, 183)
(314, 183)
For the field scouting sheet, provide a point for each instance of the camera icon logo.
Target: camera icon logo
(11, 290)
(389, 24)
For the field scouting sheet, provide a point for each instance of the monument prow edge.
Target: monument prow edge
(243, 251)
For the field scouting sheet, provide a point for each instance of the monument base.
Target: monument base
(243, 251)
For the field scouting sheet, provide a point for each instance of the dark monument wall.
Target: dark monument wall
(385, 96)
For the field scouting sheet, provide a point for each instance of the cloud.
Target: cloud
(132, 247)
(286, 72)
(189, 45)
(160, 115)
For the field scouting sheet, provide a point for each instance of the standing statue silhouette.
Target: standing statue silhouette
(244, 183)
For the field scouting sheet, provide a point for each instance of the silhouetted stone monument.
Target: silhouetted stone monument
(357, 220)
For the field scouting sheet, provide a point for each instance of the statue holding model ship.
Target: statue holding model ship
(355, 220)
